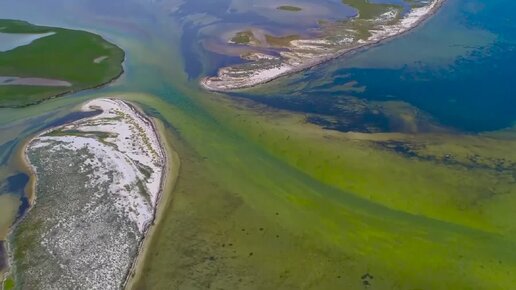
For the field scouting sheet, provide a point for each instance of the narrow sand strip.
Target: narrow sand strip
(99, 182)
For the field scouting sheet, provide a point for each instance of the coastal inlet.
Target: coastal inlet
(98, 184)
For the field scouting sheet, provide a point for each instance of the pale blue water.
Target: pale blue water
(9, 41)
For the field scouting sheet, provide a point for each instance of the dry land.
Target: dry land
(370, 26)
(99, 181)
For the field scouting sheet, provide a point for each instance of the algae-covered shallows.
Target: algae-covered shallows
(99, 180)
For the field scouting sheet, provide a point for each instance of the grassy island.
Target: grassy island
(57, 62)
(289, 8)
(244, 37)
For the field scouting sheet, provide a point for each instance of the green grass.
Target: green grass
(289, 8)
(367, 9)
(9, 284)
(280, 41)
(243, 37)
(67, 55)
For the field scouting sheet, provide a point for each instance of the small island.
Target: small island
(244, 37)
(99, 181)
(289, 8)
(40, 62)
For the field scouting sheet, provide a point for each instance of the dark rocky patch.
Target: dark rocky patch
(367, 279)
(475, 161)
(16, 183)
(3, 256)
(403, 148)
(339, 113)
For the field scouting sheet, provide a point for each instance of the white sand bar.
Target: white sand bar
(305, 53)
(99, 180)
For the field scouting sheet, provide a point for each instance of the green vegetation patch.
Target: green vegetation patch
(289, 8)
(280, 41)
(67, 55)
(244, 37)
(9, 284)
(367, 9)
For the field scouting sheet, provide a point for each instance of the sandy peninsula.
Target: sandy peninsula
(302, 54)
(99, 183)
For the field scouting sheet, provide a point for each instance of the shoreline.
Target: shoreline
(325, 59)
(167, 183)
(71, 92)
(108, 82)
(30, 189)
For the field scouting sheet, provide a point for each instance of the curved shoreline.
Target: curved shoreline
(161, 198)
(30, 191)
(167, 183)
(204, 82)
(172, 174)
(71, 92)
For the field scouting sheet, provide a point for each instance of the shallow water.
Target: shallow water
(9, 207)
(456, 68)
(10, 41)
(3, 256)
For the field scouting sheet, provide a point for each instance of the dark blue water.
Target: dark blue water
(458, 67)
(3, 256)
(16, 183)
(72, 117)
